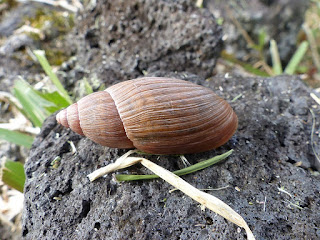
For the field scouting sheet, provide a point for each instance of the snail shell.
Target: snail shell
(155, 115)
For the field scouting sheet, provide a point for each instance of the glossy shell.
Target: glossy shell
(155, 115)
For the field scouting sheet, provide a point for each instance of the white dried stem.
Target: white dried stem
(203, 198)
(21, 127)
(120, 163)
(5, 96)
(60, 3)
(315, 98)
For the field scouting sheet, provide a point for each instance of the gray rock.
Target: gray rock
(127, 39)
(15, 42)
(17, 17)
(273, 134)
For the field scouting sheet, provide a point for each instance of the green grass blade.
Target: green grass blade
(33, 104)
(276, 62)
(55, 98)
(40, 54)
(296, 58)
(262, 39)
(16, 137)
(246, 66)
(87, 87)
(184, 171)
(12, 174)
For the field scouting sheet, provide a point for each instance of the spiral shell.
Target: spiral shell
(155, 115)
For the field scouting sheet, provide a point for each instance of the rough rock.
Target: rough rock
(15, 42)
(276, 196)
(124, 39)
(13, 19)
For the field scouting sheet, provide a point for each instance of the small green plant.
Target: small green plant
(264, 69)
(16, 137)
(292, 66)
(36, 106)
(12, 173)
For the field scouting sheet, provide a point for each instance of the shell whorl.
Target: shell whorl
(176, 116)
(158, 115)
(96, 117)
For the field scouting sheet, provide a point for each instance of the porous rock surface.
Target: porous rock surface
(124, 39)
(273, 136)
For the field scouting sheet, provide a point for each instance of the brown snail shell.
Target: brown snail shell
(155, 115)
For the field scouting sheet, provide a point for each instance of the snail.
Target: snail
(155, 115)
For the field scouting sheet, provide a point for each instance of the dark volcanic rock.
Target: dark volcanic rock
(276, 197)
(125, 39)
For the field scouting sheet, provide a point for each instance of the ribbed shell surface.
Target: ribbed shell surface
(73, 118)
(171, 116)
(100, 121)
